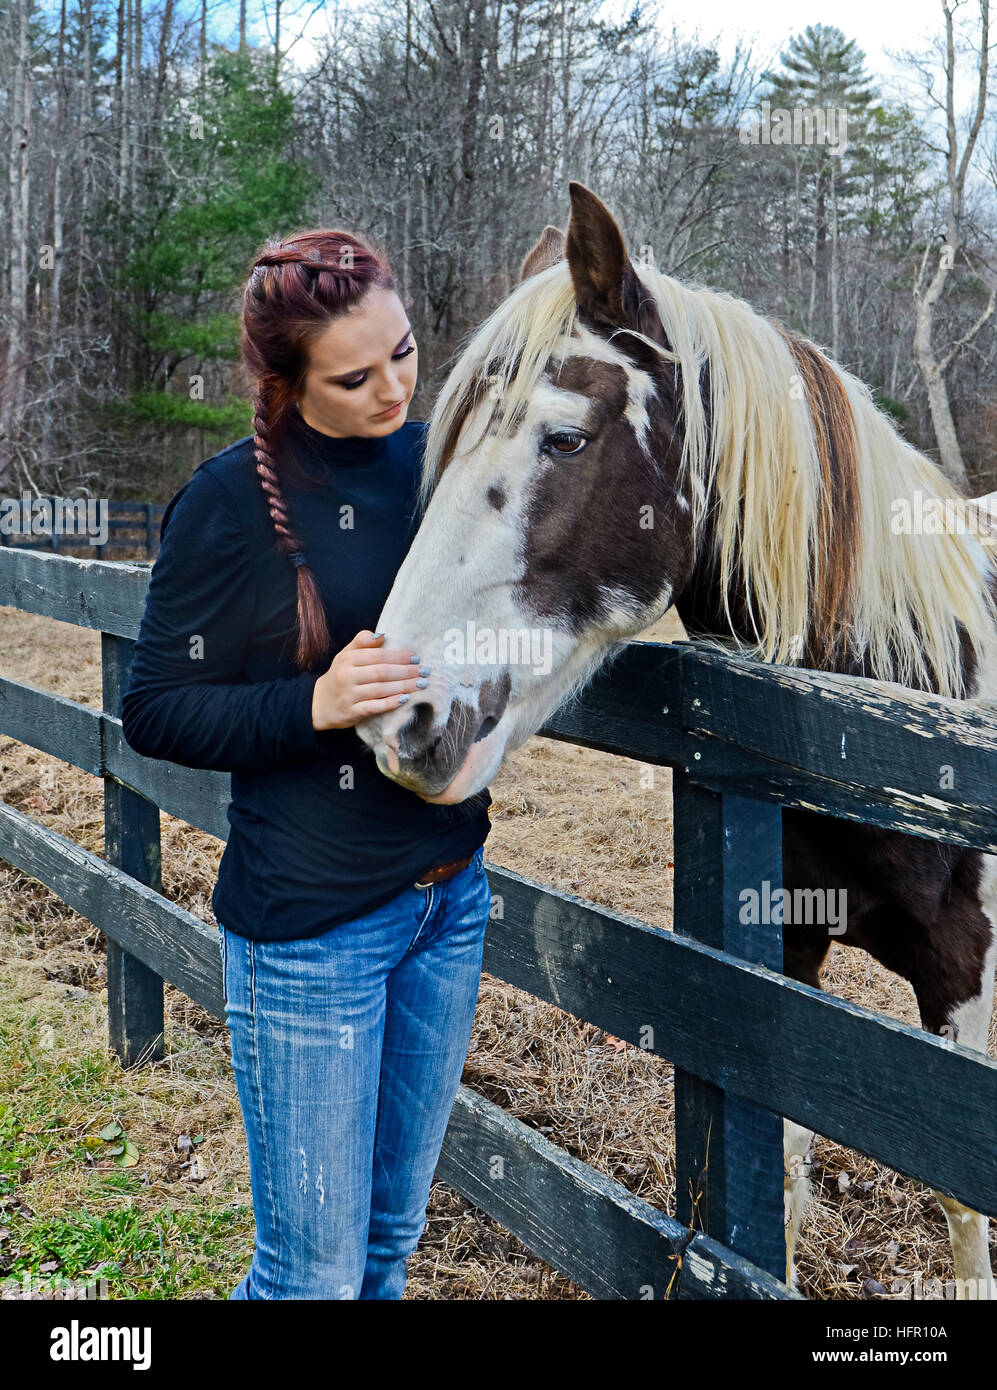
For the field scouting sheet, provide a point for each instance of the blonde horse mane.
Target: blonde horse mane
(801, 471)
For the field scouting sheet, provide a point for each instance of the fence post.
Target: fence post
(100, 553)
(728, 1152)
(131, 841)
(148, 530)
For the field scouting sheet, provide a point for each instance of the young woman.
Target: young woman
(351, 913)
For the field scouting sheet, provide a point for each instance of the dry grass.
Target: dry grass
(569, 817)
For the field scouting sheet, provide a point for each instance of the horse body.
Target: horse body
(612, 442)
(928, 912)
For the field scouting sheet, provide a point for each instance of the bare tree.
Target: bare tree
(15, 367)
(929, 286)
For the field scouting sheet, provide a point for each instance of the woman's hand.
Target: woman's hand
(364, 679)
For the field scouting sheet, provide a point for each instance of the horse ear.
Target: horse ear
(549, 248)
(597, 256)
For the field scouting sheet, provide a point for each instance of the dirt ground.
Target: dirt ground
(565, 816)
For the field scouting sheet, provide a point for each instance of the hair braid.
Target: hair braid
(313, 630)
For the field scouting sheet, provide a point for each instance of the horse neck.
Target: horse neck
(701, 607)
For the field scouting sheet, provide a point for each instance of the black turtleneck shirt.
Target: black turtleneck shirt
(318, 835)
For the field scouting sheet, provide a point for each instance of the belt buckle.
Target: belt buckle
(454, 865)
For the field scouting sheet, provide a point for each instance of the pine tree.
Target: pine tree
(822, 71)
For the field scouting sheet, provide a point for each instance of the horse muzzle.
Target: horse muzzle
(445, 743)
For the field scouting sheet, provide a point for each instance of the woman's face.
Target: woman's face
(358, 366)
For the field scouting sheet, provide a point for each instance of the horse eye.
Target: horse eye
(576, 442)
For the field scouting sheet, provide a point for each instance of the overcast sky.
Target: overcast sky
(876, 25)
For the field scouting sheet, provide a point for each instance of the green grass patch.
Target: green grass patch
(96, 1175)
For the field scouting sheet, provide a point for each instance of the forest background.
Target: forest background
(154, 147)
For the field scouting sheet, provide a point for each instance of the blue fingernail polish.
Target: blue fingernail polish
(422, 682)
(415, 659)
(423, 670)
(403, 698)
(378, 634)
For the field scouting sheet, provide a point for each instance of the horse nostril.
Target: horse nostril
(415, 732)
(487, 726)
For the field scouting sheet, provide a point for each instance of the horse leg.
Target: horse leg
(802, 959)
(796, 1185)
(968, 1023)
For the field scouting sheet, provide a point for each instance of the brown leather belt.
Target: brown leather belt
(441, 872)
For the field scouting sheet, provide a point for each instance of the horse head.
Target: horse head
(555, 523)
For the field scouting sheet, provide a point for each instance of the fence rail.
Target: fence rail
(131, 526)
(748, 1044)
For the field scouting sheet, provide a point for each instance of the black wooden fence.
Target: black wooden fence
(748, 1044)
(130, 525)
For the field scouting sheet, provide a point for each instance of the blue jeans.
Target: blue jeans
(348, 1049)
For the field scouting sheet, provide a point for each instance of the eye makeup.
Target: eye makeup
(352, 382)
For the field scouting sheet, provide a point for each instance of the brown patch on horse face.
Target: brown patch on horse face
(583, 546)
(839, 520)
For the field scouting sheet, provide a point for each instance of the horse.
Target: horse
(610, 442)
